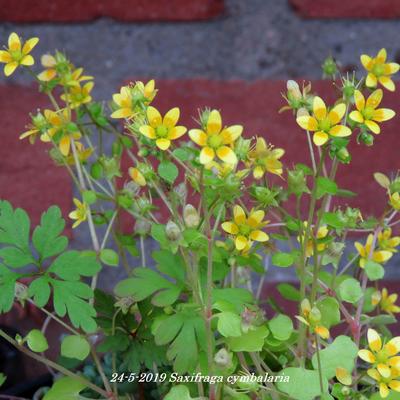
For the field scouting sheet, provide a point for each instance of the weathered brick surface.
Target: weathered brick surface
(28, 177)
(347, 9)
(122, 10)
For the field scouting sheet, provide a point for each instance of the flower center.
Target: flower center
(381, 357)
(214, 141)
(325, 125)
(368, 112)
(16, 54)
(378, 69)
(244, 230)
(162, 131)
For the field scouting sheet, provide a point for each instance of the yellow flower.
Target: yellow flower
(385, 361)
(321, 234)
(38, 126)
(137, 176)
(367, 112)
(215, 140)
(387, 242)
(79, 214)
(343, 376)
(379, 70)
(324, 123)
(17, 54)
(62, 130)
(78, 95)
(246, 229)
(265, 159)
(379, 256)
(130, 99)
(394, 200)
(311, 316)
(386, 302)
(162, 130)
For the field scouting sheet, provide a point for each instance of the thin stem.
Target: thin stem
(310, 147)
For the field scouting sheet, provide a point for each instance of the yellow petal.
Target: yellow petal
(241, 242)
(319, 108)
(255, 218)
(230, 227)
(383, 114)
(154, 117)
(387, 83)
(259, 236)
(308, 123)
(27, 60)
(48, 61)
(229, 135)
(384, 370)
(395, 362)
(375, 98)
(137, 176)
(226, 154)
(10, 68)
(356, 116)
(383, 390)
(239, 215)
(29, 45)
(122, 113)
(374, 374)
(198, 136)
(48, 75)
(322, 332)
(340, 131)
(373, 126)
(214, 123)
(393, 346)
(366, 61)
(207, 154)
(14, 42)
(343, 376)
(163, 144)
(381, 56)
(176, 132)
(359, 100)
(391, 68)
(360, 249)
(337, 113)
(381, 256)
(395, 385)
(171, 117)
(374, 340)
(320, 138)
(258, 172)
(371, 80)
(147, 131)
(5, 56)
(367, 356)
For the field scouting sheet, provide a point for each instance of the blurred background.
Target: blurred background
(234, 55)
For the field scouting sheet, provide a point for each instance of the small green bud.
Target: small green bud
(125, 201)
(181, 191)
(223, 358)
(343, 155)
(346, 391)
(117, 149)
(142, 227)
(172, 231)
(329, 67)
(96, 170)
(191, 216)
(367, 138)
(297, 182)
(143, 152)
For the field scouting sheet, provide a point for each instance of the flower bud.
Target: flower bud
(297, 182)
(172, 231)
(293, 90)
(367, 138)
(21, 291)
(343, 155)
(315, 315)
(329, 67)
(181, 191)
(223, 358)
(142, 227)
(191, 216)
(302, 112)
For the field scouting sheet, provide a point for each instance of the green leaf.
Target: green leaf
(72, 264)
(345, 193)
(342, 352)
(283, 260)
(289, 292)
(182, 154)
(14, 226)
(374, 270)
(146, 282)
(333, 219)
(65, 389)
(158, 234)
(36, 341)
(109, 257)
(40, 290)
(170, 264)
(350, 290)
(303, 383)
(14, 257)
(7, 284)
(69, 297)
(237, 297)
(168, 171)
(2, 379)
(180, 392)
(253, 340)
(75, 346)
(89, 197)
(281, 327)
(330, 314)
(325, 186)
(46, 237)
(229, 324)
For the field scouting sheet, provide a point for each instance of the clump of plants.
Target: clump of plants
(199, 324)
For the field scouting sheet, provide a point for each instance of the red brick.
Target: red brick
(255, 105)
(347, 9)
(28, 177)
(123, 10)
